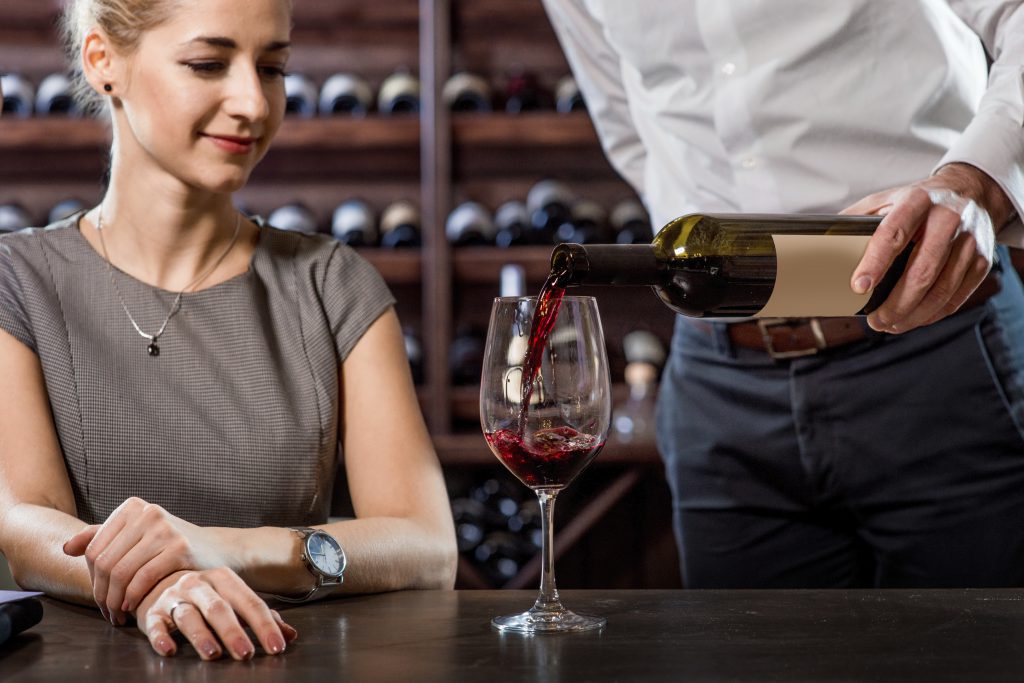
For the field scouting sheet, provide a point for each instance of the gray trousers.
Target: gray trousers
(896, 461)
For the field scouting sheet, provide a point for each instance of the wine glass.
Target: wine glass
(561, 429)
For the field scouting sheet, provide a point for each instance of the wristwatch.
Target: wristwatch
(323, 557)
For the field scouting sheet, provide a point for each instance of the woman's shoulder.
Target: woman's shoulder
(30, 244)
(318, 254)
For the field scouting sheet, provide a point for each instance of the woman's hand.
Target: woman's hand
(950, 218)
(209, 607)
(138, 545)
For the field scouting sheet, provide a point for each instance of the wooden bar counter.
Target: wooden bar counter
(678, 636)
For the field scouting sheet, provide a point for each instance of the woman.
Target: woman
(179, 378)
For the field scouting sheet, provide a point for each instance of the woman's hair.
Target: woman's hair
(123, 21)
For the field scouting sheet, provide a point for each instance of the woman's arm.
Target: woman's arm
(37, 506)
(403, 536)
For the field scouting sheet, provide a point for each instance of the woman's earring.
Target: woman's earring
(108, 88)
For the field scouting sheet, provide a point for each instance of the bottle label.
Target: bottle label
(812, 276)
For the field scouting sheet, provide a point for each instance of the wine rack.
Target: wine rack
(614, 524)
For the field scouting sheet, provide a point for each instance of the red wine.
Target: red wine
(550, 458)
(549, 301)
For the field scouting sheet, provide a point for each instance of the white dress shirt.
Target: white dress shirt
(798, 106)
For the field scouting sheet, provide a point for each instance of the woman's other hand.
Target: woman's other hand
(209, 607)
(138, 545)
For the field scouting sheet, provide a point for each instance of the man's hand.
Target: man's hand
(139, 545)
(950, 218)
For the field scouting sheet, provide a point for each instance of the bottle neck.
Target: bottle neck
(606, 264)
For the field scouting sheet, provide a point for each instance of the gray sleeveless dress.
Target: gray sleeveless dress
(235, 423)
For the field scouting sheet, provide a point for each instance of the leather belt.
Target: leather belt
(783, 338)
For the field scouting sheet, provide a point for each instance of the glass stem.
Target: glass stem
(548, 600)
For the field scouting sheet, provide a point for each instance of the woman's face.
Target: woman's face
(204, 93)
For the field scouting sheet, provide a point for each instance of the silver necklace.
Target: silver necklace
(153, 349)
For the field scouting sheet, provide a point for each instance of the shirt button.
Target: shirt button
(728, 68)
(749, 162)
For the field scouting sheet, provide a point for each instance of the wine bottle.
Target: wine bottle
(630, 223)
(568, 97)
(633, 419)
(740, 265)
(469, 224)
(523, 93)
(399, 94)
(512, 280)
(400, 225)
(54, 98)
(300, 96)
(512, 223)
(345, 94)
(13, 217)
(294, 217)
(587, 224)
(466, 355)
(467, 92)
(641, 346)
(354, 224)
(18, 95)
(548, 204)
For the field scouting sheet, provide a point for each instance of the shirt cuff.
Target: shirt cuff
(995, 145)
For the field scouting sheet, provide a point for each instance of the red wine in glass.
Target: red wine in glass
(551, 458)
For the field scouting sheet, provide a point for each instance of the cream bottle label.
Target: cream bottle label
(812, 276)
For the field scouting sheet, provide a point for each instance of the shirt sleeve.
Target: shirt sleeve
(13, 315)
(354, 295)
(994, 139)
(597, 70)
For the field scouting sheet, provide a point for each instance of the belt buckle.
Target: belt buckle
(767, 324)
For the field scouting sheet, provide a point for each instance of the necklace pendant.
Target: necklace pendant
(153, 349)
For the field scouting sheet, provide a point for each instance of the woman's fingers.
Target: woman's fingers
(192, 623)
(158, 630)
(251, 608)
(219, 611)
(138, 572)
(112, 566)
(76, 545)
(287, 629)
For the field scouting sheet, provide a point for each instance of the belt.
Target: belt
(783, 338)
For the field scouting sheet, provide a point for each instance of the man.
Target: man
(835, 452)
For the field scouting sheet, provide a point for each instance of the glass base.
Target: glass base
(542, 621)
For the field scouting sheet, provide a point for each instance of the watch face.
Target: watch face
(325, 553)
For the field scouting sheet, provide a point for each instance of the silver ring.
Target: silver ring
(179, 603)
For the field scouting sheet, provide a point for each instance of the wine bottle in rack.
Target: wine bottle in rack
(568, 97)
(470, 224)
(353, 223)
(65, 208)
(14, 217)
(400, 225)
(512, 280)
(548, 203)
(633, 419)
(502, 554)
(345, 94)
(467, 92)
(300, 96)
(630, 223)
(414, 352)
(512, 224)
(587, 224)
(466, 355)
(523, 93)
(19, 96)
(399, 94)
(740, 265)
(470, 525)
(294, 217)
(54, 97)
